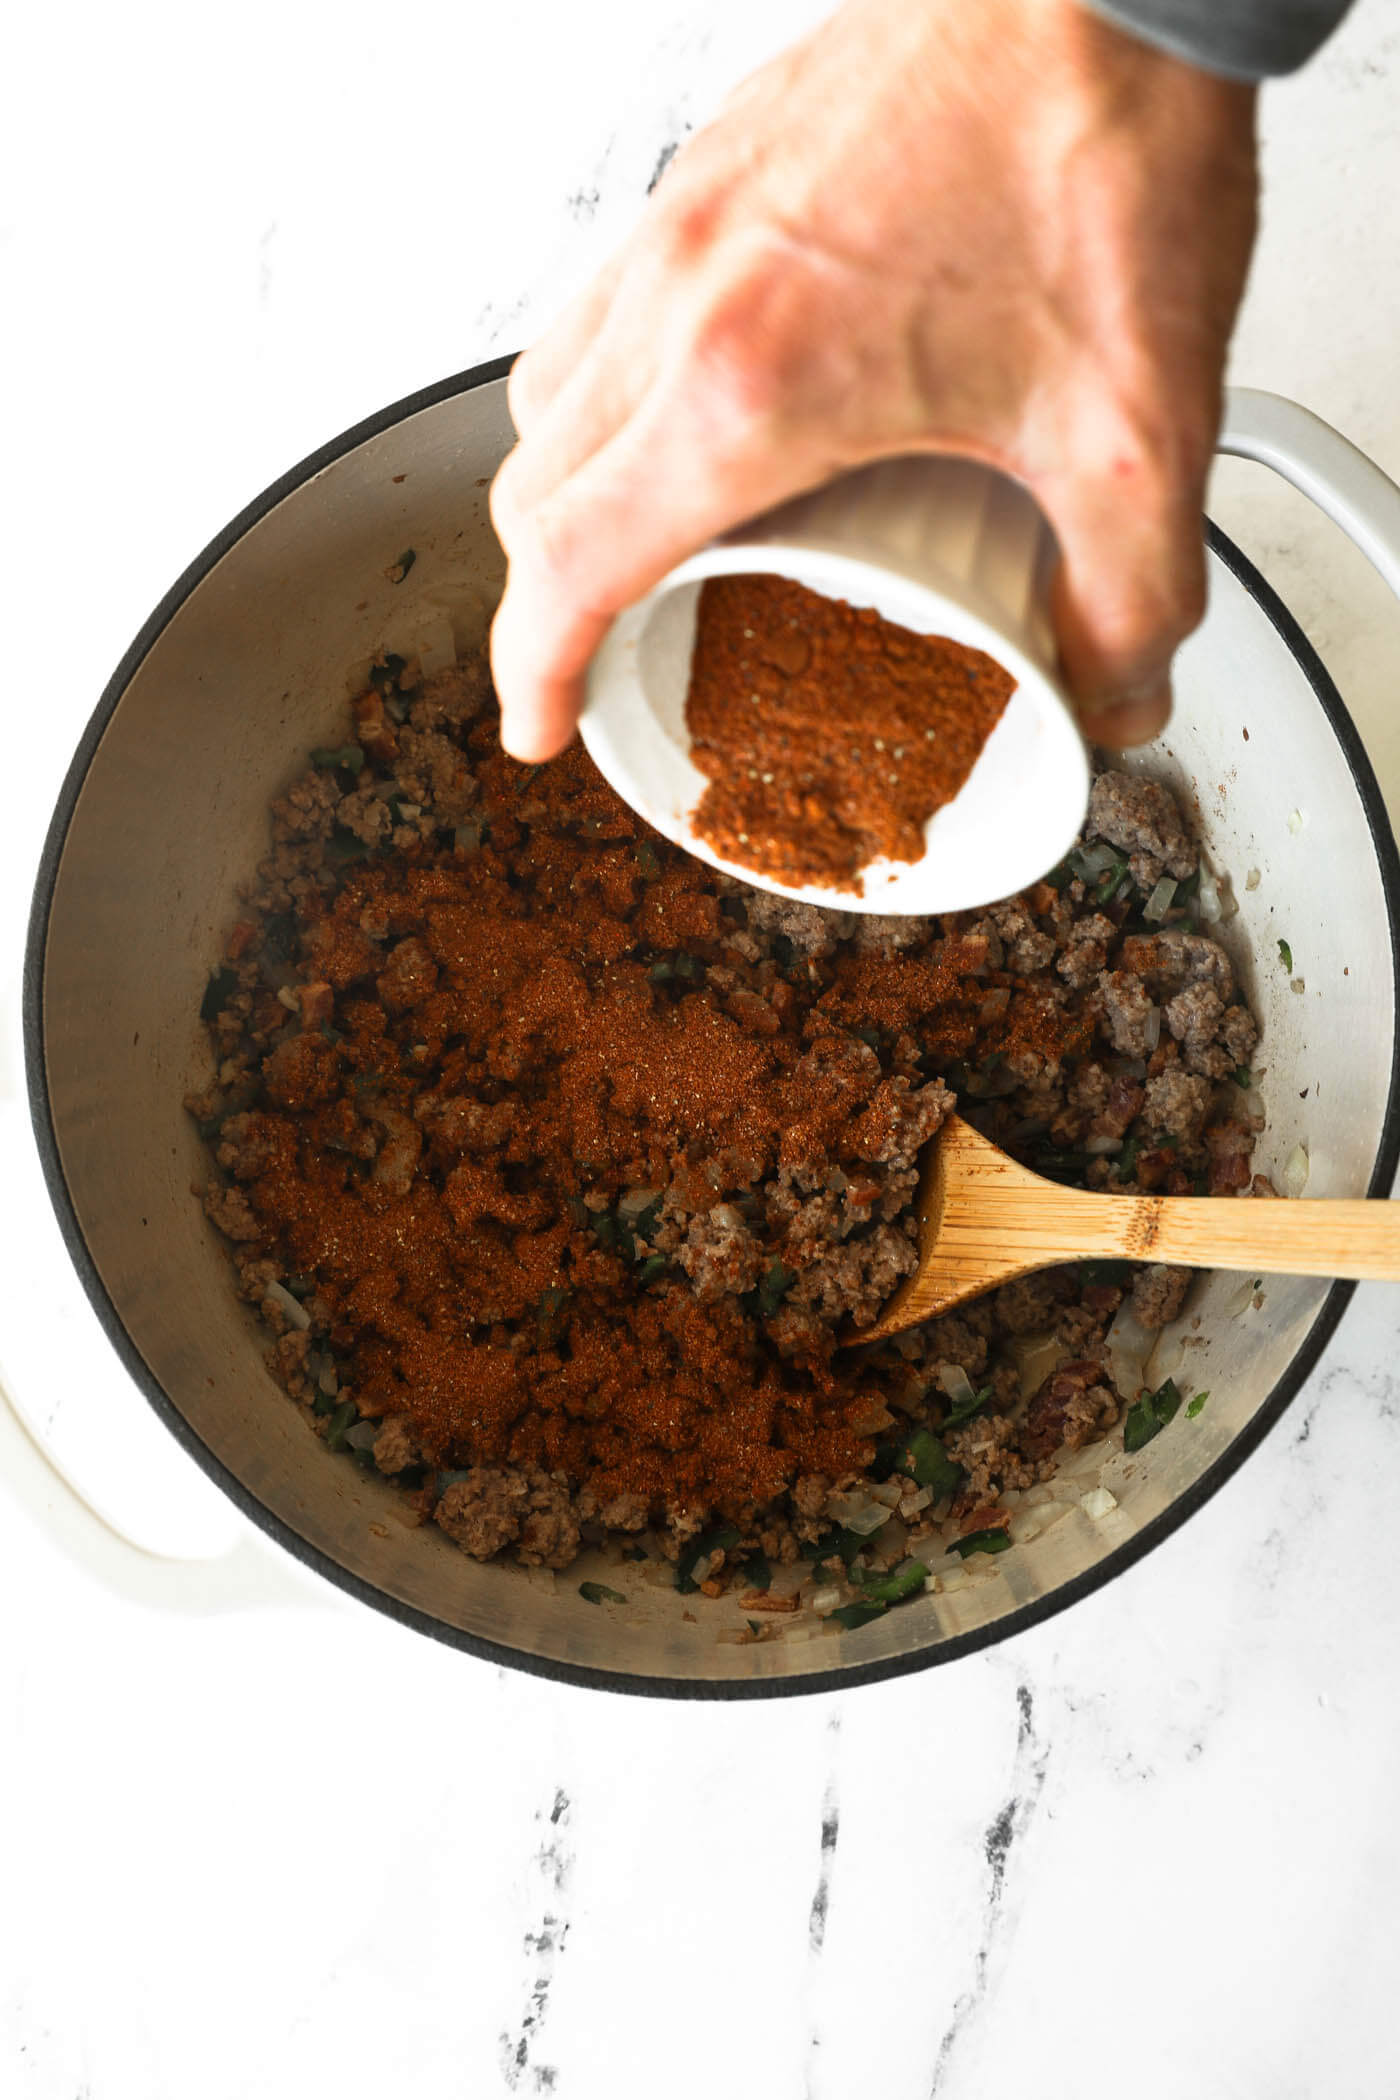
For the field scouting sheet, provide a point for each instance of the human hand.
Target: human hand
(1009, 231)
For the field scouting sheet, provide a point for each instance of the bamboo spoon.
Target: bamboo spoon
(983, 1219)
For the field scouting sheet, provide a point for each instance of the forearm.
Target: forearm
(1249, 39)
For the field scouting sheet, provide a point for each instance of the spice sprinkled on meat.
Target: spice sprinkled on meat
(560, 1166)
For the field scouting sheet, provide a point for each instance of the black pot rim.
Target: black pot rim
(1024, 1617)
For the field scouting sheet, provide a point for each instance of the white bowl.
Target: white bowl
(940, 546)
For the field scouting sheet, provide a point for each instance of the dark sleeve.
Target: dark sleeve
(1249, 39)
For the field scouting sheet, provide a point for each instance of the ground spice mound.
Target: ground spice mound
(556, 1161)
(829, 735)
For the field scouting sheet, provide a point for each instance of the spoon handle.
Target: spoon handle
(1321, 1236)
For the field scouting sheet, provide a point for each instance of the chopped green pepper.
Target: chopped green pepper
(653, 1267)
(992, 1541)
(773, 1289)
(599, 1593)
(964, 1410)
(895, 1585)
(340, 1421)
(852, 1615)
(720, 1539)
(1286, 956)
(1149, 1415)
(922, 1457)
(330, 756)
(1193, 1407)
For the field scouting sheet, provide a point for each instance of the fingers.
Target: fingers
(538, 374)
(653, 494)
(1129, 588)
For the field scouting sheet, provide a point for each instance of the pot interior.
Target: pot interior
(166, 811)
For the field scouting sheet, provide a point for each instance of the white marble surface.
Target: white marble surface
(1152, 1847)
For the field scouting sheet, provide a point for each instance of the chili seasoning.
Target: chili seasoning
(828, 734)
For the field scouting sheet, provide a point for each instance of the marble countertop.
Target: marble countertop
(291, 1849)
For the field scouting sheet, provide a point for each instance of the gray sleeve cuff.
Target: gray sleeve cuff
(1244, 39)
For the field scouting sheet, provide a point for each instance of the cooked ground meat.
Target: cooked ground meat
(1140, 818)
(1159, 1293)
(1129, 1012)
(579, 1159)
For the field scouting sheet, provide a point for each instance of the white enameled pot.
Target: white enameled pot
(245, 664)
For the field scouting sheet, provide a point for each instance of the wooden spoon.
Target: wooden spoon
(983, 1219)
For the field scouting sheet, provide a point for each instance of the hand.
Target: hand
(1007, 230)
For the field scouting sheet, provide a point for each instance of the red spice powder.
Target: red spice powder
(829, 735)
(510, 1035)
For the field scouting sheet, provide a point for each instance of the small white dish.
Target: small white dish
(940, 546)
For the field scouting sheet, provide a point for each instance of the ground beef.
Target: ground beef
(396, 1445)
(496, 1506)
(1173, 959)
(720, 1254)
(1194, 1015)
(581, 1160)
(1140, 817)
(1072, 1403)
(1238, 1035)
(1128, 1011)
(1177, 1103)
(1086, 950)
(1159, 1293)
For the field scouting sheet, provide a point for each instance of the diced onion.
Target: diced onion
(1209, 894)
(910, 1505)
(955, 1383)
(1295, 821)
(635, 1202)
(1252, 879)
(858, 1513)
(1097, 860)
(1097, 1503)
(1152, 1027)
(1158, 903)
(1037, 1357)
(294, 1314)
(1100, 1147)
(1166, 1359)
(1240, 1300)
(1129, 1346)
(825, 1600)
(362, 1436)
(1295, 1171)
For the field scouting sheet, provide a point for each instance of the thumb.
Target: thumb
(1130, 586)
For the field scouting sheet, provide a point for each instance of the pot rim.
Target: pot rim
(1023, 1617)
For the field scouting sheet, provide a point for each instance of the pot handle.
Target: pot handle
(1353, 491)
(250, 1574)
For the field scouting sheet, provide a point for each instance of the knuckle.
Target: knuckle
(748, 350)
(549, 543)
